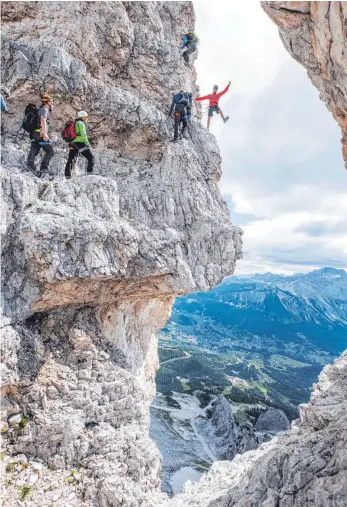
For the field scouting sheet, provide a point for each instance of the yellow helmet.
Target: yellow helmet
(46, 98)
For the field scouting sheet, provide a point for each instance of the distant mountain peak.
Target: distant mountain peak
(328, 272)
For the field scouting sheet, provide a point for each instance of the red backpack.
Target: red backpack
(69, 133)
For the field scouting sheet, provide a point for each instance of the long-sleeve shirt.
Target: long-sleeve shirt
(214, 97)
(3, 105)
(81, 132)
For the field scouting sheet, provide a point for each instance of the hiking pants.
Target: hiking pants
(34, 151)
(74, 150)
(189, 49)
(180, 117)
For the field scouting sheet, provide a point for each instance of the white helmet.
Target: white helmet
(5, 90)
(82, 114)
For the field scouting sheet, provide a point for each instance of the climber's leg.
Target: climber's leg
(224, 118)
(184, 126)
(73, 152)
(177, 118)
(89, 156)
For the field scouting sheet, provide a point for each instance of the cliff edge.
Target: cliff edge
(91, 266)
(315, 34)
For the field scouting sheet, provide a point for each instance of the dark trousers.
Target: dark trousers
(35, 149)
(180, 117)
(82, 149)
(191, 47)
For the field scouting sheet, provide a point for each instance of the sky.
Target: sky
(283, 175)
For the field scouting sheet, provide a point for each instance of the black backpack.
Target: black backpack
(186, 99)
(31, 121)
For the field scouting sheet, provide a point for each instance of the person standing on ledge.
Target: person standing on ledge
(214, 103)
(80, 145)
(39, 138)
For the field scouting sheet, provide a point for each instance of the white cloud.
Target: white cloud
(282, 163)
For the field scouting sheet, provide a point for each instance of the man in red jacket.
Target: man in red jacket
(214, 100)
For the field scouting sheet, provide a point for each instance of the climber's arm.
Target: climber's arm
(205, 97)
(225, 90)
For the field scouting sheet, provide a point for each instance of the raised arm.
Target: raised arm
(225, 90)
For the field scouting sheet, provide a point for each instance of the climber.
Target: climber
(213, 103)
(39, 138)
(4, 91)
(189, 42)
(80, 145)
(178, 107)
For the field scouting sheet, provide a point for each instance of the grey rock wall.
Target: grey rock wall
(91, 266)
(304, 467)
(315, 34)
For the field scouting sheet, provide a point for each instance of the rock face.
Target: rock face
(273, 420)
(191, 436)
(91, 266)
(315, 34)
(305, 467)
(223, 435)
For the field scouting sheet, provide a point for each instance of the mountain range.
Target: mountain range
(257, 341)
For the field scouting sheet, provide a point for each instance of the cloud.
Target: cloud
(324, 227)
(283, 174)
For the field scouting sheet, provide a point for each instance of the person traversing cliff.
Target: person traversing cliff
(179, 105)
(214, 103)
(189, 42)
(4, 92)
(36, 123)
(79, 145)
(4, 108)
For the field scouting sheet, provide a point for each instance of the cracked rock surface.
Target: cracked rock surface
(91, 266)
(304, 467)
(315, 34)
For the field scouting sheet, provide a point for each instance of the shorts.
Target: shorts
(213, 109)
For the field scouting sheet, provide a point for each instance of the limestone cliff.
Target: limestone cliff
(91, 266)
(307, 466)
(315, 34)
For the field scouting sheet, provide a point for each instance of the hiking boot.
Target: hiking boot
(33, 169)
(89, 172)
(68, 177)
(226, 119)
(46, 175)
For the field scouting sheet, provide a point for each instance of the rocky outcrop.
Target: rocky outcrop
(225, 438)
(315, 34)
(91, 266)
(273, 420)
(305, 467)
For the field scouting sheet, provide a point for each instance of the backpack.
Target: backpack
(69, 133)
(31, 121)
(191, 36)
(186, 99)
